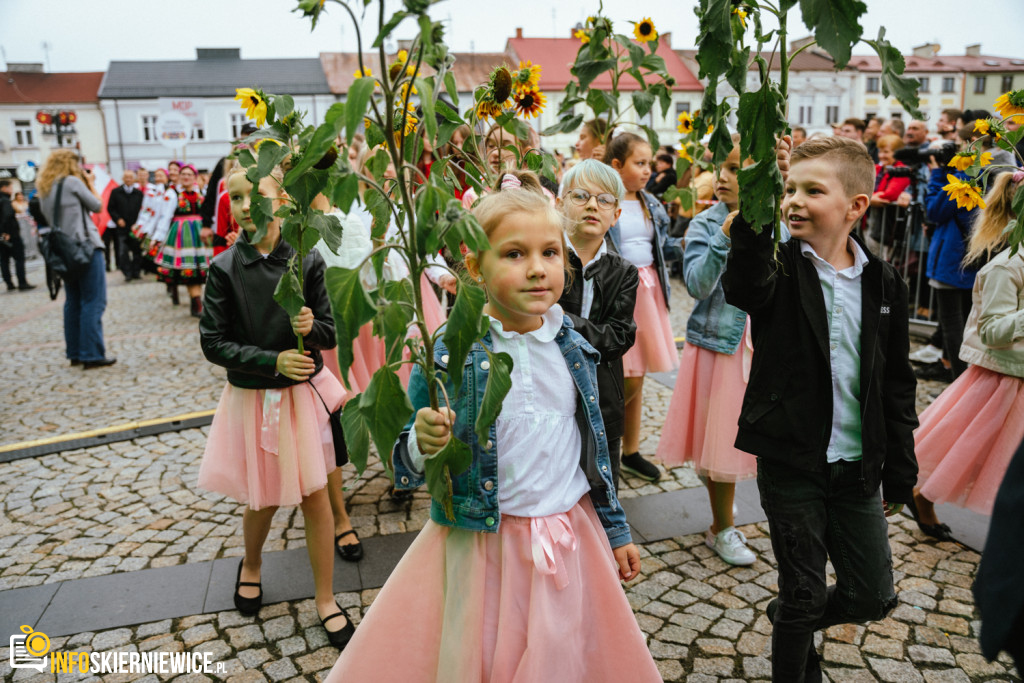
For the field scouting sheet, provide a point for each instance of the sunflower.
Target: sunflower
(254, 103)
(410, 123)
(363, 73)
(685, 154)
(526, 77)
(256, 145)
(529, 102)
(741, 15)
(982, 126)
(405, 88)
(963, 193)
(582, 36)
(962, 161)
(644, 30)
(488, 109)
(1010, 103)
(500, 84)
(685, 123)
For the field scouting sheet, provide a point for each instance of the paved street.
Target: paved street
(130, 508)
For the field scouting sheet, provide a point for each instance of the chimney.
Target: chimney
(218, 53)
(405, 44)
(519, 31)
(973, 50)
(928, 50)
(25, 67)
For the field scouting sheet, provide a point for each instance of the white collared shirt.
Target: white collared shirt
(588, 283)
(538, 440)
(843, 296)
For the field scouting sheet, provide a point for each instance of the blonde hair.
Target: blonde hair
(593, 172)
(528, 180)
(893, 142)
(987, 235)
(61, 163)
(849, 159)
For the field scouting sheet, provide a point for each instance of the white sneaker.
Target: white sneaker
(927, 354)
(731, 546)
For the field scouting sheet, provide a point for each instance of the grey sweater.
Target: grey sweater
(74, 196)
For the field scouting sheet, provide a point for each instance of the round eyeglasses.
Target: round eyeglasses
(579, 197)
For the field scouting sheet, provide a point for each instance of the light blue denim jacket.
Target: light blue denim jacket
(713, 324)
(659, 217)
(475, 491)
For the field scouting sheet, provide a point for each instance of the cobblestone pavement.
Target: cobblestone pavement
(133, 505)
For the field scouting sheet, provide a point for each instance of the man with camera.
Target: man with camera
(11, 244)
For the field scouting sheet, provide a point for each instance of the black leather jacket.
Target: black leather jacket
(243, 329)
(609, 329)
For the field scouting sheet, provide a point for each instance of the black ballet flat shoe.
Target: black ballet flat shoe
(939, 531)
(247, 606)
(340, 638)
(353, 552)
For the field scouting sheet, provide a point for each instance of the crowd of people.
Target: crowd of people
(796, 370)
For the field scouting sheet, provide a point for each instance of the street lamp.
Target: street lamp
(62, 121)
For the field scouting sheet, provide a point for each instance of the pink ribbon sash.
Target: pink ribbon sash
(548, 536)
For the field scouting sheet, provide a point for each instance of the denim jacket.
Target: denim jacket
(475, 491)
(656, 211)
(713, 324)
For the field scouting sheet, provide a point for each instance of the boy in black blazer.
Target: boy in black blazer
(829, 409)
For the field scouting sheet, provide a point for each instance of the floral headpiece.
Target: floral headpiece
(510, 182)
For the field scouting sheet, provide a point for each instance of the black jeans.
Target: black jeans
(129, 253)
(16, 250)
(814, 517)
(954, 307)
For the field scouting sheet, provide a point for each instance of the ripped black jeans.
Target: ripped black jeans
(814, 517)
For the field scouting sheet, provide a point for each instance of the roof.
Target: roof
(808, 60)
(18, 87)
(471, 69)
(556, 55)
(212, 77)
(872, 64)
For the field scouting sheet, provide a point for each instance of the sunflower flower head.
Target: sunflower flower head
(966, 195)
(962, 161)
(982, 126)
(986, 158)
(685, 154)
(644, 30)
(487, 108)
(529, 102)
(254, 102)
(582, 36)
(685, 123)
(741, 15)
(363, 73)
(526, 77)
(500, 84)
(1010, 103)
(410, 122)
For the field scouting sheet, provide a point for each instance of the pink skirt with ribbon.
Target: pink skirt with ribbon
(538, 601)
(655, 347)
(703, 416)
(270, 447)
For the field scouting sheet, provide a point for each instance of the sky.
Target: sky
(71, 35)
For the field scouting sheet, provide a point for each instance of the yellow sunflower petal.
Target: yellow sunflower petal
(644, 30)
(582, 36)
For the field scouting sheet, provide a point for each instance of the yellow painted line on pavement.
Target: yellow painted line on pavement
(104, 430)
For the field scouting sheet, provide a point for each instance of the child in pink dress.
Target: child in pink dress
(523, 585)
(270, 443)
(639, 236)
(703, 416)
(968, 435)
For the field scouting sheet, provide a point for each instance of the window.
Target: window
(948, 84)
(872, 84)
(831, 114)
(1007, 84)
(805, 114)
(925, 84)
(23, 134)
(149, 128)
(237, 121)
(979, 85)
(682, 107)
(897, 115)
(198, 132)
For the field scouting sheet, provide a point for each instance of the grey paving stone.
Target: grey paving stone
(24, 606)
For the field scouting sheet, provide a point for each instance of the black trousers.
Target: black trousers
(954, 307)
(16, 250)
(129, 254)
(814, 517)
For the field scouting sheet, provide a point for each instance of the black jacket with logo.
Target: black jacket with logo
(787, 410)
(243, 329)
(609, 328)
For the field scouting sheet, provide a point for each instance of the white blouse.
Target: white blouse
(636, 233)
(538, 440)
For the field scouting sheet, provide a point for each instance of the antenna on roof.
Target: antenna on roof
(46, 51)
(554, 21)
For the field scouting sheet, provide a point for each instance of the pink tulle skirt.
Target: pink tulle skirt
(967, 438)
(538, 601)
(271, 446)
(703, 416)
(655, 347)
